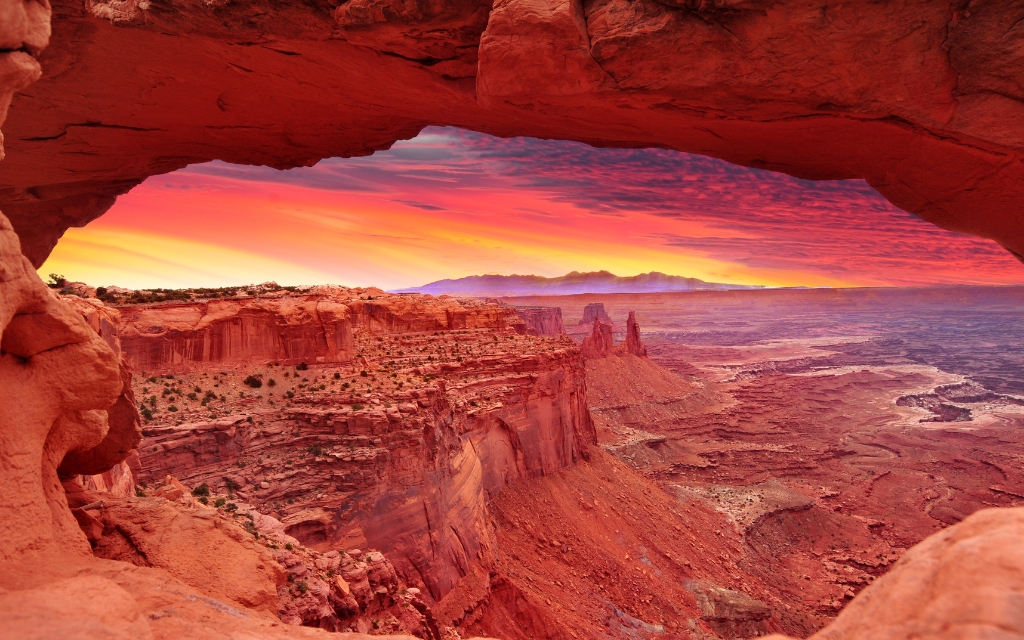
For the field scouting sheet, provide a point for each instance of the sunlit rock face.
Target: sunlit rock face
(445, 404)
(542, 321)
(59, 392)
(922, 100)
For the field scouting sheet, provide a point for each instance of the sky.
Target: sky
(451, 203)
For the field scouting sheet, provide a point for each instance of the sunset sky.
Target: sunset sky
(450, 203)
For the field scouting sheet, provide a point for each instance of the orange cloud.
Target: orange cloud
(451, 203)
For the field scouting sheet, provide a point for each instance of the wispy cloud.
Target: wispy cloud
(451, 203)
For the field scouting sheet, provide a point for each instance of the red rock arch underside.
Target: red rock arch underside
(923, 99)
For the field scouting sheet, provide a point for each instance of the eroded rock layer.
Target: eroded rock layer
(922, 99)
(286, 328)
(398, 451)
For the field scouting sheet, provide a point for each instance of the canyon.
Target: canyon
(568, 497)
(467, 461)
(833, 433)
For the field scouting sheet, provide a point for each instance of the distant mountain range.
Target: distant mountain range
(495, 286)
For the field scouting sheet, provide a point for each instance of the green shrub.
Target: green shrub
(219, 502)
(302, 366)
(139, 492)
(316, 450)
(302, 586)
(337, 376)
(363, 373)
(271, 383)
(357, 407)
(254, 381)
(202, 490)
(172, 408)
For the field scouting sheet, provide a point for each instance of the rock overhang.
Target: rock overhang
(919, 100)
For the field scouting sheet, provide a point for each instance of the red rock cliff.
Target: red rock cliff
(313, 328)
(406, 468)
(542, 321)
(178, 337)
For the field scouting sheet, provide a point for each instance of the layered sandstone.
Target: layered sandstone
(60, 382)
(542, 321)
(398, 450)
(595, 311)
(286, 328)
(633, 343)
(599, 344)
(61, 387)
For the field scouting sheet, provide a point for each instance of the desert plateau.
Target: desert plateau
(566, 320)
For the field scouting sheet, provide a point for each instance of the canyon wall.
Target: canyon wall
(542, 321)
(176, 337)
(288, 329)
(407, 471)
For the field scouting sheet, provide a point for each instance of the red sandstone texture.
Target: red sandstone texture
(922, 100)
(601, 343)
(398, 449)
(316, 327)
(634, 344)
(542, 321)
(63, 384)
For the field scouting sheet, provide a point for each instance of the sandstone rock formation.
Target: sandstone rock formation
(595, 311)
(201, 549)
(963, 582)
(409, 471)
(920, 100)
(59, 380)
(317, 327)
(230, 332)
(599, 343)
(936, 136)
(542, 321)
(633, 343)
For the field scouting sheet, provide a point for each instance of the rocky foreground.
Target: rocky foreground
(430, 479)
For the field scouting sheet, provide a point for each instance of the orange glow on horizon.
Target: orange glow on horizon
(450, 204)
